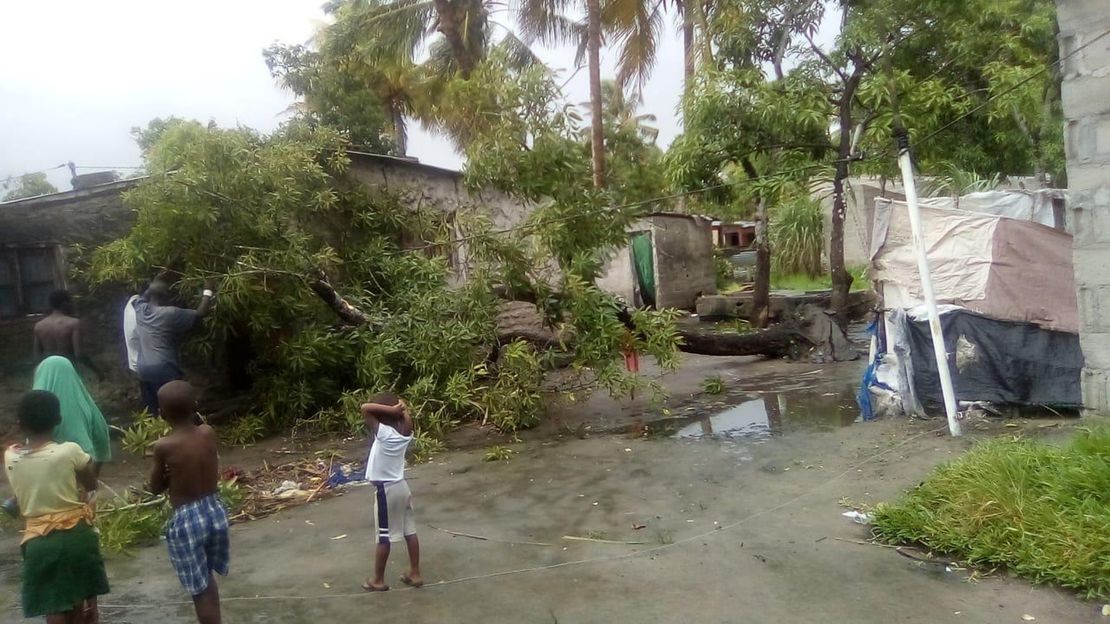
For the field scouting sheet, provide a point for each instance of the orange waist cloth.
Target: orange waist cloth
(40, 526)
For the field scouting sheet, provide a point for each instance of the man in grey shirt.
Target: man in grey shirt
(159, 327)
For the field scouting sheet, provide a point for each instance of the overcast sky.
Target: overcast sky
(78, 75)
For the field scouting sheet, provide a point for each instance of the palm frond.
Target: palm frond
(519, 53)
(637, 26)
(546, 20)
(382, 31)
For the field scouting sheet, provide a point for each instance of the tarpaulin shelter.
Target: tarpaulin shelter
(1008, 304)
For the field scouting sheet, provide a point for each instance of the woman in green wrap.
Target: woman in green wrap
(82, 422)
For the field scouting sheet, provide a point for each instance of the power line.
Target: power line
(1003, 93)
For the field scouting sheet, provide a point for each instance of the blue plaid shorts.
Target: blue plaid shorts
(198, 542)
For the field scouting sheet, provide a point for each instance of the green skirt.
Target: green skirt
(62, 569)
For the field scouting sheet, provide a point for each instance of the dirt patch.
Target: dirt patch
(709, 529)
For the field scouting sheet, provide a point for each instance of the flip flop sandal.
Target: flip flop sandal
(370, 588)
(408, 581)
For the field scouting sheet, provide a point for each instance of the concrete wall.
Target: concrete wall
(619, 276)
(424, 185)
(861, 195)
(1086, 99)
(87, 217)
(684, 269)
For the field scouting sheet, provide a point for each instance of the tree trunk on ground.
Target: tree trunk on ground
(451, 23)
(778, 341)
(761, 293)
(593, 51)
(400, 132)
(841, 279)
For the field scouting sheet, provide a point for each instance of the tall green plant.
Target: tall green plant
(798, 237)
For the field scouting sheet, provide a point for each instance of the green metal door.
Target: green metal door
(643, 261)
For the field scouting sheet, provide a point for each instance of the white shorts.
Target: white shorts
(393, 515)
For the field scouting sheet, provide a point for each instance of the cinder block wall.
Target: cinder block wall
(1086, 99)
(684, 267)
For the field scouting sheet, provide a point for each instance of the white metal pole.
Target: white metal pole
(939, 349)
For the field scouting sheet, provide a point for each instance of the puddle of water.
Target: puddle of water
(776, 413)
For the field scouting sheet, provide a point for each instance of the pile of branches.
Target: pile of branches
(273, 488)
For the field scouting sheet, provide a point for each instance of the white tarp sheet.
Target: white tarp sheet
(1035, 206)
(1004, 268)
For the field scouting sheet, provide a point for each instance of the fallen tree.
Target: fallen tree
(343, 290)
(786, 339)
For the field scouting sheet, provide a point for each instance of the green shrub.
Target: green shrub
(726, 275)
(713, 385)
(144, 431)
(1039, 510)
(797, 230)
(498, 453)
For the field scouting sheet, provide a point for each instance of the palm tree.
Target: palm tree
(395, 80)
(619, 108)
(401, 28)
(634, 25)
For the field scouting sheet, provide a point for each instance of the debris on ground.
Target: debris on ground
(272, 488)
(857, 516)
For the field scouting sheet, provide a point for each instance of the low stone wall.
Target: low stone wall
(739, 305)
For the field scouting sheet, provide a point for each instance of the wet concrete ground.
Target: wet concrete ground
(736, 528)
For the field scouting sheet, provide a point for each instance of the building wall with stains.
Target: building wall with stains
(1086, 101)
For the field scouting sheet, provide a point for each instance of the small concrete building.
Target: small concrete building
(667, 264)
(733, 234)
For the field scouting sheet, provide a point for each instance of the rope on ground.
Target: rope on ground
(563, 564)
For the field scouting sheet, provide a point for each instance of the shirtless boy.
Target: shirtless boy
(60, 333)
(186, 464)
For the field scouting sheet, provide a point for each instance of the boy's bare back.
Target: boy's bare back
(57, 335)
(186, 463)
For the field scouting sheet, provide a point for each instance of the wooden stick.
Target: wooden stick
(323, 482)
(600, 541)
(484, 538)
(149, 503)
(865, 543)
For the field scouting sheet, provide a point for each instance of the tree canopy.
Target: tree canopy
(973, 81)
(28, 185)
(341, 289)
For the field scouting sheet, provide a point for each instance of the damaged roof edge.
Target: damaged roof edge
(62, 196)
(409, 162)
(127, 183)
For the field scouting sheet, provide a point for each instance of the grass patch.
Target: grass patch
(713, 385)
(1041, 511)
(498, 453)
(802, 281)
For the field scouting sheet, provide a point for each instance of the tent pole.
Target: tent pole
(939, 350)
(905, 163)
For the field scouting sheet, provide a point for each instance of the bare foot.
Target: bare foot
(370, 586)
(412, 580)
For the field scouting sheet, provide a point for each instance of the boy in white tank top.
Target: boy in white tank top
(390, 426)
